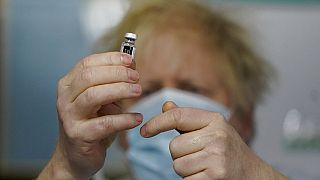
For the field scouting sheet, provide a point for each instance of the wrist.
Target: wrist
(258, 169)
(59, 168)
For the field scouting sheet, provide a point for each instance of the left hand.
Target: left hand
(210, 148)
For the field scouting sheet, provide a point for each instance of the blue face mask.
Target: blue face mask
(150, 157)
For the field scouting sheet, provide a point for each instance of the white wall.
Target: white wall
(290, 39)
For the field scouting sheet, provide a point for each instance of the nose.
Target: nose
(169, 84)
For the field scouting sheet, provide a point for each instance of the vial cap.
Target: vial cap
(131, 36)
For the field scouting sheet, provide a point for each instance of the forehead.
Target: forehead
(177, 54)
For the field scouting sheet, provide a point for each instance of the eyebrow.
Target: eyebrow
(158, 83)
(190, 83)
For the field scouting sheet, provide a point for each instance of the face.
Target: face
(183, 61)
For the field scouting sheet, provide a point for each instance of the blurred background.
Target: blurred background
(42, 40)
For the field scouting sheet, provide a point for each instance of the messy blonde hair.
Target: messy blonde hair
(246, 73)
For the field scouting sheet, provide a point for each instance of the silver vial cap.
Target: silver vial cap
(131, 36)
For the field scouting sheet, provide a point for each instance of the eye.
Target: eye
(191, 88)
(149, 91)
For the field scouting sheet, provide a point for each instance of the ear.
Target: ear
(244, 124)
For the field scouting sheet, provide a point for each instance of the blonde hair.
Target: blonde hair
(246, 73)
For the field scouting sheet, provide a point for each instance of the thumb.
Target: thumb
(168, 105)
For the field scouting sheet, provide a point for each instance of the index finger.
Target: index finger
(183, 119)
(102, 59)
(107, 59)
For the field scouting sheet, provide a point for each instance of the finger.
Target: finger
(93, 98)
(183, 119)
(108, 59)
(99, 75)
(191, 164)
(110, 109)
(102, 127)
(103, 59)
(168, 105)
(199, 176)
(188, 143)
(213, 140)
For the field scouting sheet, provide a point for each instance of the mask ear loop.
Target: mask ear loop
(169, 105)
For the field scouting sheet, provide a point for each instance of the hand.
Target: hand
(89, 116)
(209, 149)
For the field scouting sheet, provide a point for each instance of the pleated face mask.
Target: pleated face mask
(150, 157)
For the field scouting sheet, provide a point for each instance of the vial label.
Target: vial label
(129, 50)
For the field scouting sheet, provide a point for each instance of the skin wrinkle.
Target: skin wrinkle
(196, 140)
(206, 140)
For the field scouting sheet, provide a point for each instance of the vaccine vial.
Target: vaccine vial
(128, 45)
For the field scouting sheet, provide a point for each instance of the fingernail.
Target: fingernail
(136, 88)
(143, 131)
(126, 59)
(139, 118)
(133, 75)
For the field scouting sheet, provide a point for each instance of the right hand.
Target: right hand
(89, 117)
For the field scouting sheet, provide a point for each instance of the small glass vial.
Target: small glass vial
(128, 45)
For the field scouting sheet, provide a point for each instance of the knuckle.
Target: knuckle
(65, 112)
(153, 127)
(218, 117)
(177, 166)
(128, 72)
(64, 109)
(89, 95)
(121, 71)
(186, 162)
(86, 61)
(72, 133)
(198, 141)
(60, 104)
(215, 150)
(221, 173)
(119, 88)
(60, 83)
(220, 134)
(221, 139)
(217, 143)
(106, 123)
(87, 75)
(125, 88)
(114, 57)
(177, 114)
(173, 145)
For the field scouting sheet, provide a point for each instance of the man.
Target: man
(187, 54)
